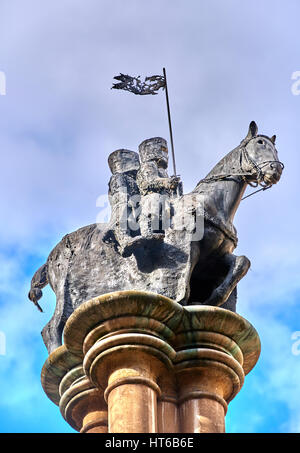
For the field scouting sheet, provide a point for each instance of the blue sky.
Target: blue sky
(228, 62)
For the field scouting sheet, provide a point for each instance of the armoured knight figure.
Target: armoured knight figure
(156, 190)
(123, 196)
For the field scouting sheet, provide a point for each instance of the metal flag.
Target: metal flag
(150, 85)
(134, 84)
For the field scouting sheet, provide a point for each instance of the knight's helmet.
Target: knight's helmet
(154, 149)
(122, 185)
(123, 160)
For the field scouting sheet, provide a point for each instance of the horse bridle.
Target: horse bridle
(257, 167)
(244, 155)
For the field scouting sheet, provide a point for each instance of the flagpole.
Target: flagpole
(169, 119)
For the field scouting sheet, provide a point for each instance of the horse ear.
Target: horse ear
(253, 129)
(273, 139)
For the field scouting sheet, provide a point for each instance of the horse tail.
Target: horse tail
(39, 280)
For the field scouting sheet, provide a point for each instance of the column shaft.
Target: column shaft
(167, 417)
(132, 408)
(202, 415)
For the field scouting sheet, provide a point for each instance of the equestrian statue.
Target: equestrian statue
(159, 239)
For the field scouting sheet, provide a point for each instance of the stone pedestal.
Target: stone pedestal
(125, 338)
(138, 362)
(64, 382)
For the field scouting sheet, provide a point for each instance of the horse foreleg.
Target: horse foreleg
(238, 268)
(39, 280)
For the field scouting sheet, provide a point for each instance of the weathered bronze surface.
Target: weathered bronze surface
(159, 239)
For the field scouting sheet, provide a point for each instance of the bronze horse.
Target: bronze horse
(218, 270)
(204, 271)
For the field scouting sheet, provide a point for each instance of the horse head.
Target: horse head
(259, 159)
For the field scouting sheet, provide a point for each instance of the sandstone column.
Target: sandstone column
(216, 348)
(125, 338)
(167, 409)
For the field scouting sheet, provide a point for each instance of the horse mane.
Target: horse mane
(230, 163)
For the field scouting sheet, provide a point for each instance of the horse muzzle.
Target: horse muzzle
(273, 173)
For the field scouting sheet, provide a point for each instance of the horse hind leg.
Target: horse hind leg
(238, 267)
(230, 303)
